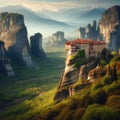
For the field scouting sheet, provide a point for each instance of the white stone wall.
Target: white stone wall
(89, 49)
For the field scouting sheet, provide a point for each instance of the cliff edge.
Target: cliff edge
(109, 26)
(13, 33)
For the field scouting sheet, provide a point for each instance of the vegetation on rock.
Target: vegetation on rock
(98, 100)
(79, 58)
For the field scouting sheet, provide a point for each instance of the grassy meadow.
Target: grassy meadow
(32, 90)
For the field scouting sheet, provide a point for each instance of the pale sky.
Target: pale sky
(55, 5)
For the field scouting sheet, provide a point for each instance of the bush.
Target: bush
(50, 114)
(112, 87)
(116, 58)
(99, 96)
(66, 114)
(116, 92)
(74, 103)
(81, 53)
(114, 101)
(118, 74)
(107, 80)
(86, 100)
(79, 58)
(97, 86)
(103, 62)
(97, 112)
(114, 53)
(80, 62)
(79, 113)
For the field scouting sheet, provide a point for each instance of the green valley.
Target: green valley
(31, 91)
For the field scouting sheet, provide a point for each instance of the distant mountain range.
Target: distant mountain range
(75, 15)
(34, 22)
(48, 22)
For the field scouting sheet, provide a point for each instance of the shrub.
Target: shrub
(79, 58)
(116, 58)
(97, 86)
(99, 96)
(97, 112)
(107, 80)
(81, 53)
(66, 114)
(112, 87)
(73, 103)
(80, 62)
(103, 62)
(114, 101)
(79, 113)
(118, 74)
(50, 114)
(116, 92)
(114, 53)
(85, 101)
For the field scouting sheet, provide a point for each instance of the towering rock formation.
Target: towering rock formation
(36, 46)
(89, 32)
(110, 27)
(79, 61)
(14, 34)
(57, 39)
(5, 65)
(81, 32)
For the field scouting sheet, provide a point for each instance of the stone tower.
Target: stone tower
(36, 46)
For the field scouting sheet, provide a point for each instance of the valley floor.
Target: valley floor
(26, 95)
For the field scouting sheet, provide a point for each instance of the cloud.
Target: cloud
(55, 5)
(52, 6)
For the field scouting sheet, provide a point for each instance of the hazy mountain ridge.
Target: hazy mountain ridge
(34, 22)
(31, 14)
(74, 14)
(47, 22)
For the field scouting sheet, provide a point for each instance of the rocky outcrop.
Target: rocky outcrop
(61, 94)
(80, 67)
(90, 32)
(57, 39)
(36, 46)
(109, 26)
(71, 75)
(108, 29)
(14, 34)
(5, 65)
(96, 73)
(75, 88)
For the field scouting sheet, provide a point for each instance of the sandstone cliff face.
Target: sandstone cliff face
(71, 75)
(5, 65)
(109, 26)
(14, 34)
(96, 73)
(36, 46)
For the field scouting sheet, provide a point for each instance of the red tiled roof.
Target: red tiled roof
(87, 41)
